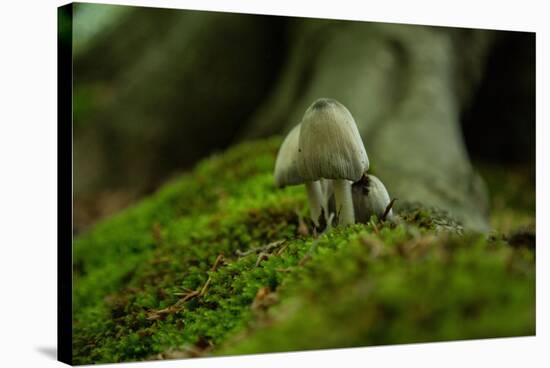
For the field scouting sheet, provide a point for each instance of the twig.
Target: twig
(187, 295)
(174, 308)
(203, 289)
(217, 262)
(263, 248)
(262, 256)
(281, 250)
(388, 208)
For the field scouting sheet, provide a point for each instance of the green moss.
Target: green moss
(366, 289)
(512, 196)
(219, 261)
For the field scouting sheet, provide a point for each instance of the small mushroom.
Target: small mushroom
(331, 147)
(286, 173)
(370, 197)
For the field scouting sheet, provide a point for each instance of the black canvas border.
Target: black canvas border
(64, 183)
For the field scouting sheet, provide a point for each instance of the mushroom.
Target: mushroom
(370, 197)
(330, 147)
(286, 173)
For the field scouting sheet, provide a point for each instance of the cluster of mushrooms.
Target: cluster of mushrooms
(326, 153)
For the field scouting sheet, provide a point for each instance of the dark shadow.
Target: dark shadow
(500, 124)
(48, 351)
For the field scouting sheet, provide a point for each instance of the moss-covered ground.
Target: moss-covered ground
(219, 261)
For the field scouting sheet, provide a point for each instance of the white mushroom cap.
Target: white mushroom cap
(370, 197)
(286, 173)
(330, 145)
(286, 165)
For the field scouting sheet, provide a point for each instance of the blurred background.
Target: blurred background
(447, 115)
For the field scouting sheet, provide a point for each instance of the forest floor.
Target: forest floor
(219, 261)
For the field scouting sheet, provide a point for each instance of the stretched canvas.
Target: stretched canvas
(245, 183)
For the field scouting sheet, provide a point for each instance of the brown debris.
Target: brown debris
(302, 227)
(201, 348)
(418, 247)
(157, 233)
(376, 246)
(264, 299)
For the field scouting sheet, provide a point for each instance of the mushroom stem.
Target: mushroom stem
(316, 200)
(343, 201)
(326, 190)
